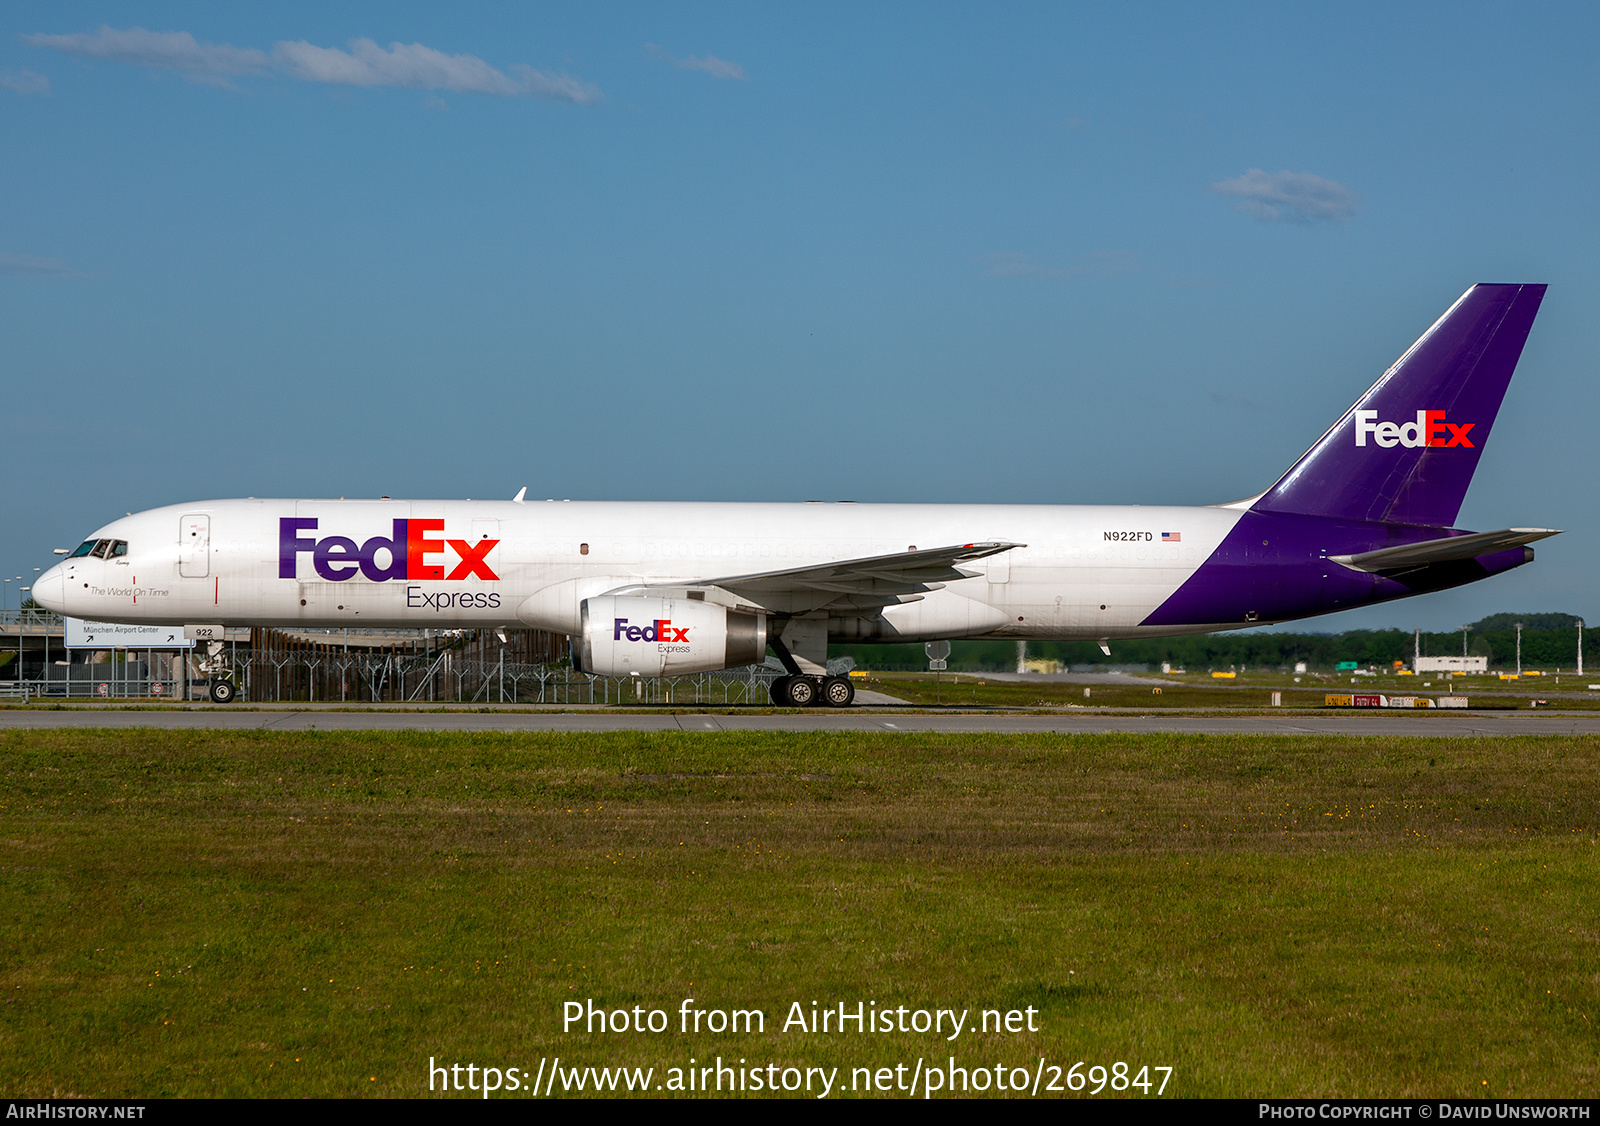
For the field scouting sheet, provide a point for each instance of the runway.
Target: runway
(1455, 725)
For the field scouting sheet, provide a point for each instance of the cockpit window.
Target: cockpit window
(83, 549)
(119, 548)
(102, 549)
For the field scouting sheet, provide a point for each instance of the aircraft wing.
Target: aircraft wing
(853, 584)
(1446, 550)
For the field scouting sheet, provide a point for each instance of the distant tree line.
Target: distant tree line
(1549, 641)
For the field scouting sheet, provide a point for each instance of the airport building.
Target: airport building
(1478, 665)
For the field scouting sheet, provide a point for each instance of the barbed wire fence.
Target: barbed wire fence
(369, 666)
(393, 678)
(462, 667)
(482, 667)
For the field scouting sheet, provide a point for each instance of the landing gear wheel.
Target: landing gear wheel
(838, 692)
(802, 691)
(780, 692)
(222, 691)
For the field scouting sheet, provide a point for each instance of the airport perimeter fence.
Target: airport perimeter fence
(364, 666)
(450, 679)
(392, 679)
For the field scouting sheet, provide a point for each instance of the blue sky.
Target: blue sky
(1044, 254)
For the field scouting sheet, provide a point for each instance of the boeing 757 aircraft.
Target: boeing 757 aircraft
(1364, 516)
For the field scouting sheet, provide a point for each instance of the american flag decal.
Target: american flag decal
(1171, 537)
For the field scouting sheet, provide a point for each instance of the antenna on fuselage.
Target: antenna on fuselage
(522, 492)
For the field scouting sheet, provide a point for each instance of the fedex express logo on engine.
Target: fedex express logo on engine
(661, 629)
(1429, 429)
(337, 558)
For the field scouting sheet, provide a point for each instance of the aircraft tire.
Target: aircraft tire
(802, 691)
(780, 692)
(222, 692)
(838, 692)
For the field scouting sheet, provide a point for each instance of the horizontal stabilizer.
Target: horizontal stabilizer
(1446, 550)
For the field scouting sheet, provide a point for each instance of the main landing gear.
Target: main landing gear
(808, 691)
(802, 690)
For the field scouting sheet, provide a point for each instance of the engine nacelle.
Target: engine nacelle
(627, 636)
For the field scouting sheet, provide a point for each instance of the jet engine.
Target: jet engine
(627, 636)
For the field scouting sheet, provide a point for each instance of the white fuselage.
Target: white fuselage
(1085, 572)
(1364, 516)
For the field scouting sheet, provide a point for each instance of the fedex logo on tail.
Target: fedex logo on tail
(337, 558)
(1429, 429)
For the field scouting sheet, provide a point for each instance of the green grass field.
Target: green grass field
(976, 690)
(1191, 691)
(319, 914)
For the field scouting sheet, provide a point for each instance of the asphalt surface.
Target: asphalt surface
(1432, 723)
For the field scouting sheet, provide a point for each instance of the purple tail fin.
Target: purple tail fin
(1405, 452)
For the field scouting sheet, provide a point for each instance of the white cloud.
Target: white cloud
(423, 68)
(165, 50)
(1299, 197)
(32, 266)
(24, 82)
(708, 64)
(412, 66)
(559, 87)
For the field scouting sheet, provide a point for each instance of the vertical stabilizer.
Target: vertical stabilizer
(1406, 451)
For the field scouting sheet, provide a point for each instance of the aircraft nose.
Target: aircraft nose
(50, 590)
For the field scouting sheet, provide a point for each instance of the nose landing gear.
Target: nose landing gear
(219, 670)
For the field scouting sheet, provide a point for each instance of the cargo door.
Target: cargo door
(194, 546)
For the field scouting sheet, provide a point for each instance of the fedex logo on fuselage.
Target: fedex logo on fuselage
(337, 558)
(1429, 429)
(661, 629)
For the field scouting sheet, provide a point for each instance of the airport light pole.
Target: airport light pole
(1580, 646)
(5, 604)
(1519, 648)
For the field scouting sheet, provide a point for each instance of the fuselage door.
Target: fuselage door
(194, 546)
